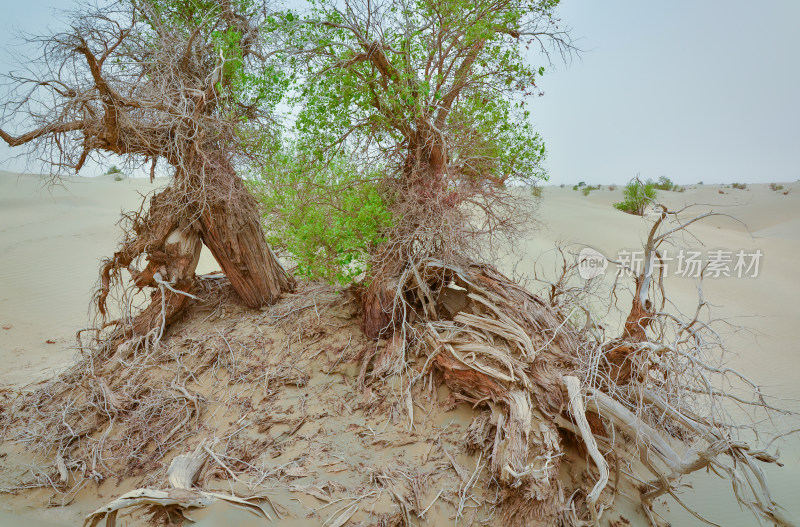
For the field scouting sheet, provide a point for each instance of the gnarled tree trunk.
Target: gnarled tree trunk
(232, 231)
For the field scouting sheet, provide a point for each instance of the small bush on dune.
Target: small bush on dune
(663, 183)
(536, 191)
(118, 175)
(636, 196)
(775, 187)
(612, 187)
(740, 186)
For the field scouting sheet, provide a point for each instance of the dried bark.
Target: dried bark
(378, 304)
(236, 239)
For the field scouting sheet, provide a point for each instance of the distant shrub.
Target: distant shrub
(587, 189)
(575, 187)
(775, 187)
(562, 185)
(740, 186)
(677, 188)
(699, 182)
(636, 196)
(582, 184)
(663, 183)
(612, 187)
(536, 191)
(118, 175)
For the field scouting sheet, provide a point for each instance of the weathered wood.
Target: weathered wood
(236, 239)
(174, 264)
(378, 304)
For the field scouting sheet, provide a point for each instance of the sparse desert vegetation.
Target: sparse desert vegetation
(637, 195)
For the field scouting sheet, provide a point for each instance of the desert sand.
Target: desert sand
(52, 240)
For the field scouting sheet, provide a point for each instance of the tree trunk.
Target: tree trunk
(379, 309)
(232, 231)
(175, 264)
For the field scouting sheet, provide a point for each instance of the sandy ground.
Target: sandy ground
(51, 242)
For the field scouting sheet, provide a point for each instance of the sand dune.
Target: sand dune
(51, 242)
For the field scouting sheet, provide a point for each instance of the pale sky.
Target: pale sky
(696, 90)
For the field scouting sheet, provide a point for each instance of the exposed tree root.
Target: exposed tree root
(499, 346)
(183, 473)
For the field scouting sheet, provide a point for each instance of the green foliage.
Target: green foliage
(189, 15)
(536, 191)
(326, 220)
(585, 190)
(775, 187)
(351, 96)
(663, 183)
(113, 170)
(740, 186)
(240, 87)
(636, 196)
(248, 89)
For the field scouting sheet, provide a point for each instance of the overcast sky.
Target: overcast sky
(696, 90)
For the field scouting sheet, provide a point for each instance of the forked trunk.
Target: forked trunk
(171, 236)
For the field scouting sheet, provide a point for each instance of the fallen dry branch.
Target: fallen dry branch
(183, 473)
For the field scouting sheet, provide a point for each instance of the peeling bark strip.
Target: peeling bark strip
(180, 256)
